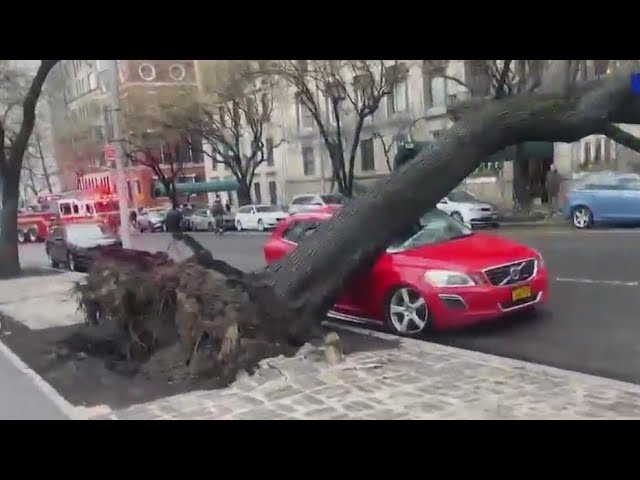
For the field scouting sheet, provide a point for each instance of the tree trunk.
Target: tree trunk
(244, 193)
(310, 278)
(9, 259)
(521, 187)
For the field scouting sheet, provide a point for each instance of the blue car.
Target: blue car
(603, 198)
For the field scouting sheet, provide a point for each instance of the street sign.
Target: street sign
(635, 83)
(110, 153)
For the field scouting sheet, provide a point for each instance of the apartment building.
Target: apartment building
(416, 111)
(84, 118)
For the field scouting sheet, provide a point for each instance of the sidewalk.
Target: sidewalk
(388, 378)
(416, 380)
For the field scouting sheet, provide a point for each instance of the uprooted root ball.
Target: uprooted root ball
(176, 320)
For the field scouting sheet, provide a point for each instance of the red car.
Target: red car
(440, 275)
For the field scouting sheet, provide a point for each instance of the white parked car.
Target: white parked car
(258, 217)
(469, 209)
(308, 202)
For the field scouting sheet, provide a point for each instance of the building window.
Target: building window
(366, 155)
(597, 153)
(177, 72)
(608, 157)
(273, 192)
(438, 89)
(397, 100)
(257, 194)
(308, 161)
(305, 119)
(147, 72)
(586, 153)
(269, 152)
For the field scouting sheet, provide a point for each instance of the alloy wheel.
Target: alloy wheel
(408, 312)
(581, 217)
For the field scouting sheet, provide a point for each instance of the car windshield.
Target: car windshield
(88, 234)
(266, 209)
(332, 199)
(435, 226)
(157, 213)
(461, 196)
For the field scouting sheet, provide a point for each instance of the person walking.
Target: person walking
(217, 212)
(552, 184)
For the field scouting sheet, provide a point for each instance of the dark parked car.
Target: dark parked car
(74, 245)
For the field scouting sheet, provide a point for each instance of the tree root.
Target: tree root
(200, 317)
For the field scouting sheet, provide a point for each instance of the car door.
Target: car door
(605, 199)
(631, 200)
(445, 205)
(57, 247)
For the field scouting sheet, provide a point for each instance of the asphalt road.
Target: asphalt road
(589, 325)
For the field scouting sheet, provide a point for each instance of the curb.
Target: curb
(491, 359)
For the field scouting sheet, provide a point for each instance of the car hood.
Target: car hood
(103, 242)
(475, 252)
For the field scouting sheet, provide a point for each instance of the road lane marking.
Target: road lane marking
(598, 282)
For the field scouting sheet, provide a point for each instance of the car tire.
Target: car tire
(406, 312)
(238, 225)
(32, 235)
(211, 227)
(21, 236)
(260, 226)
(71, 263)
(581, 217)
(457, 216)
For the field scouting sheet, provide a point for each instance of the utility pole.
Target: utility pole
(123, 201)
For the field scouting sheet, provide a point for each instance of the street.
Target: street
(589, 325)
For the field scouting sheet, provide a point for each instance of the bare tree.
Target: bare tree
(11, 158)
(337, 97)
(234, 118)
(157, 134)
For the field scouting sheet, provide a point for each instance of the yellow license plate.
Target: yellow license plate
(520, 293)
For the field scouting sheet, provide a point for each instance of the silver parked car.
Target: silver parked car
(152, 220)
(308, 202)
(202, 220)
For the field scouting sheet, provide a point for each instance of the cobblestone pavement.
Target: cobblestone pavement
(416, 380)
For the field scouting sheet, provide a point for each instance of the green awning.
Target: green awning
(539, 150)
(197, 187)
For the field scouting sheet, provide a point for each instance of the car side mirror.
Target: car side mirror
(444, 200)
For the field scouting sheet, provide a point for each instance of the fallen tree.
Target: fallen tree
(282, 304)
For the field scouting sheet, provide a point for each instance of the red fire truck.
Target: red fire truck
(69, 207)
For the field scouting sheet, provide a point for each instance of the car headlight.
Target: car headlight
(447, 278)
(539, 259)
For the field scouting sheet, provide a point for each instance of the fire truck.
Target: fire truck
(69, 207)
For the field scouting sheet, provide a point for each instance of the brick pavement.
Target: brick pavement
(415, 380)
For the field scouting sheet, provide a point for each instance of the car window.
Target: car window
(202, 213)
(306, 200)
(299, 230)
(57, 233)
(266, 209)
(461, 196)
(87, 233)
(435, 226)
(333, 199)
(244, 210)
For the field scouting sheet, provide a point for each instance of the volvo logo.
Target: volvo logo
(514, 272)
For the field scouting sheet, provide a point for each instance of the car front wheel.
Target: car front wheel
(407, 312)
(71, 262)
(260, 226)
(238, 225)
(582, 218)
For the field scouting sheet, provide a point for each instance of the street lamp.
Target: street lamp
(109, 85)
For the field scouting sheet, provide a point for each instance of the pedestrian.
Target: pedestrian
(552, 184)
(217, 212)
